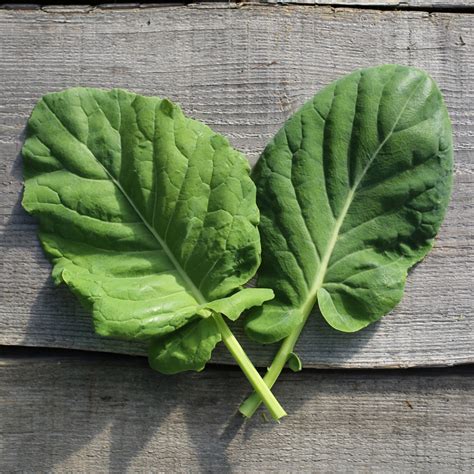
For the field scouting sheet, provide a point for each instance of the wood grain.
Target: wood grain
(429, 5)
(421, 4)
(243, 71)
(113, 414)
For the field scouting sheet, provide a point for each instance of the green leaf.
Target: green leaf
(147, 215)
(352, 191)
(188, 348)
(294, 362)
(234, 305)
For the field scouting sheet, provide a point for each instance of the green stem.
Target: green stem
(249, 407)
(261, 388)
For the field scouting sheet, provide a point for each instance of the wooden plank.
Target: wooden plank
(113, 414)
(401, 4)
(430, 5)
(242, 71)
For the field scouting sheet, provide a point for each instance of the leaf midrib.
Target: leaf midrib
(195, 291)
(319, 280)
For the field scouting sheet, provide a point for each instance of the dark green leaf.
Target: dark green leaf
(352, 191)
(188, 348)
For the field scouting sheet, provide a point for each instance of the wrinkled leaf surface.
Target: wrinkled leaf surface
(147, 215)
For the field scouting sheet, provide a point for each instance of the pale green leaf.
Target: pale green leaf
(234, 305)
(146, 214)
(294, 362)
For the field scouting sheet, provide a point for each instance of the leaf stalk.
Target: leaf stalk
(250, 406)
(262, 390)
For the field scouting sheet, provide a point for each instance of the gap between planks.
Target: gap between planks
(433, 6)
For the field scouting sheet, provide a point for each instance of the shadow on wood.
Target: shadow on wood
(108, 413)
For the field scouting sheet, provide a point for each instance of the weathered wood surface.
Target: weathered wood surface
(421, 4)
(431, 5)
(112, 414)
(242, 71)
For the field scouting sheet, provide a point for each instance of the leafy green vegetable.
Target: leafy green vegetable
(149, 217)
(190, 347)
(352, 191)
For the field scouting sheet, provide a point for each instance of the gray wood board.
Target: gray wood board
(242, 71)
(421, 4)
(429, 5)
(113, 414)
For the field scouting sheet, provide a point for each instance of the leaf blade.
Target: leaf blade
(111, 176)
(233, 306)
(294, 362)
(188, 348)
(352, 189)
